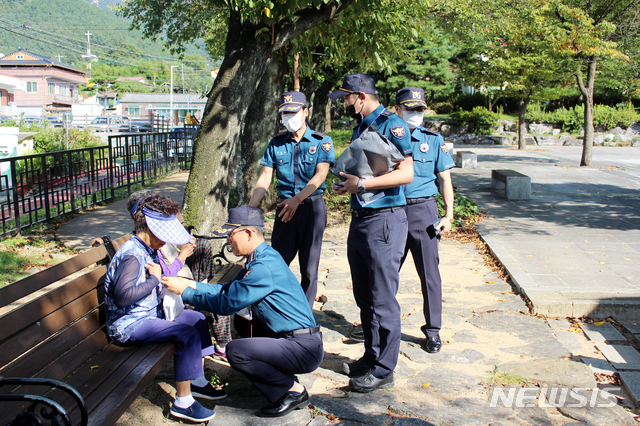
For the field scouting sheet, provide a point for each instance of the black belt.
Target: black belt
(309, 330)
(309, 199)
(421, 200)
(370, 212)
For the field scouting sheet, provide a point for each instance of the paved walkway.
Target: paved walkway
(574, 248)
(491, 342)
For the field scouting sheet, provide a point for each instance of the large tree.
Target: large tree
(588, 31)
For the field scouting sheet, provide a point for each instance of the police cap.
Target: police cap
(411, 98)
(292, 102)
(240, 216)
(355, 83)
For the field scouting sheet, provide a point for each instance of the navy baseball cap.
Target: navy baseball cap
(166, 228)
(355, 83)
(240, 216)
(292, 102)
(411, 97)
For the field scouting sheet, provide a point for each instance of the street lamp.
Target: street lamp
(171, 117)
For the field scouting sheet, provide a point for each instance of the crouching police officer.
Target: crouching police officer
(301, 158)
(267, 285)
(431, 160)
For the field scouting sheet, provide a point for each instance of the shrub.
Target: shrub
(480, 120)
(469, 102)
(442, 107)
(572, 119)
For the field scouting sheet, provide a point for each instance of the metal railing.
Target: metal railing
(37, 188)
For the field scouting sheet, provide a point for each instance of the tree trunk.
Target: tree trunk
(522, 124)
(587, 93)
(321, 118)
(246, 59)
(260, 126)
(213, 163)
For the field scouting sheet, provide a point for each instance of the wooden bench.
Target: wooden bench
(515, 185)
(60, 334)
(466, 159)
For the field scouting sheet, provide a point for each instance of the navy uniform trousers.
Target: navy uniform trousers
(424, 250)
(302, 235)
(272, 363)
(374, 249)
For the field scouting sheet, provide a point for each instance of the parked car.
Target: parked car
(55, 121)
(136, 126)
(107, 124)
(182, 138)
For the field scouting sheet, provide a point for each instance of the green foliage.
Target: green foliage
(571, 119)
(467, 102)
(442, 107)
(480, 119)
(463, 208)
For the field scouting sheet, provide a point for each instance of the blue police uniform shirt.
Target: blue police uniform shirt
(396, 129)
(295, 162)
(430, 157)
(268, 286)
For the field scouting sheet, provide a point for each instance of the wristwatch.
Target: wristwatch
(360, 186)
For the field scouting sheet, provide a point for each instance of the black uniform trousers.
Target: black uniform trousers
(374, 249)
(302, 235)
(272, 363)
(424, 250)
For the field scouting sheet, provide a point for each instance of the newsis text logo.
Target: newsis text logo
(553, 396)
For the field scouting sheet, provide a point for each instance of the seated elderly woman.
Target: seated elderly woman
(133, 305)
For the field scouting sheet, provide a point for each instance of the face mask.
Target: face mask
(351, 112)
(292, 122)
(413, 118)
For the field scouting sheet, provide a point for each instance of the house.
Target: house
(8, 86)
(51, 87)
(147, 105)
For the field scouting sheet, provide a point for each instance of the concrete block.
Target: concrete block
(549, 303)
(599, 366)
(466, 159)
(632, 326)
(603, 333)
(621, 357)
(558, 324)
(569, 340)
(516, 186)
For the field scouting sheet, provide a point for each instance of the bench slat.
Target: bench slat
(48, 326)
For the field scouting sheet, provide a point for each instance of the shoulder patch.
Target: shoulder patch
(327, 147)
(443, 147)
(318, 135)
(429, 132)
(386, 113)
(247, 273)
(398, 131)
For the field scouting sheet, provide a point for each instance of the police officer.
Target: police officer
(377, 237)
(431, 164)
(301, 158)
(293, 344)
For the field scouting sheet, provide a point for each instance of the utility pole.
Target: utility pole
(182, 79)
(88, 56)
(60, 58)
(171, 95)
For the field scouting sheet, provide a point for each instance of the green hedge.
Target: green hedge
(571, 120)
(480, 120)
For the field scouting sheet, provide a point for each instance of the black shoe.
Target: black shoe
(433, 344)
(284, 405)
(369, 382)
(356, 368)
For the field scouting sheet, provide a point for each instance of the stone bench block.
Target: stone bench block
(466, 159)
(515, 186)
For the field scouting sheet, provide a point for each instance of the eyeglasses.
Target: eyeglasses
(235, 231)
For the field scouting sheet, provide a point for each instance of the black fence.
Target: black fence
(37, 188)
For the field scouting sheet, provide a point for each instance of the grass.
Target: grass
(503, 379)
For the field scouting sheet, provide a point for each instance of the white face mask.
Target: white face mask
(413, 118)
(292, 121)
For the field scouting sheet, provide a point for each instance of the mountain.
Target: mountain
(105, 4)
(59, 27)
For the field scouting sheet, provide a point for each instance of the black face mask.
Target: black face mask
(351, 112)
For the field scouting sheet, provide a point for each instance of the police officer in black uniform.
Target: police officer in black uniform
(301, 158)
(377, 237)
(431, 164)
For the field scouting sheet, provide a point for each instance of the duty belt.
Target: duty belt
(309, 330)
(371, 212)
(421, 200)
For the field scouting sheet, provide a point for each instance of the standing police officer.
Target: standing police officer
(293, 341)
(431, 160)
(302, 159)
(377, 237)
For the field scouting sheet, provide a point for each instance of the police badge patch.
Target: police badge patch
(313, 149)
(398, 132)
(247, 273)
(424, 147)
(443, 147)
(327, 147)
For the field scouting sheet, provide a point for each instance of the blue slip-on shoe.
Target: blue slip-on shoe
(207, 392)
(195, 412)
